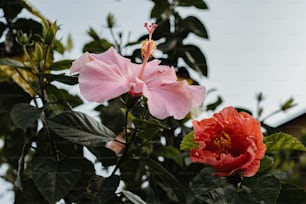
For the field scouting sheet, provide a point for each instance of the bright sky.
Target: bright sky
(254, 46)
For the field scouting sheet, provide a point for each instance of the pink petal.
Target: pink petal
(157, 74)
(166, 100)
(198, 95)
(77, 64)
(100, 82)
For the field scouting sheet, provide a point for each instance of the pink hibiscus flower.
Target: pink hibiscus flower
(108, 75)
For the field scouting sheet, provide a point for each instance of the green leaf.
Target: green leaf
(213, 106)
(148, 128)
(266, 163)
(70, 80)
(12, 63)
(24, 115)
(80, 128)
(61, 65)
(2, 28)
(263, 188)
(108, 186)
(194, 25)
(62, 97)
(283, 142)
(105, 155)
(159, 9)
(291, 194)
(170, 152)
(28, 26)
(97, 46)
(54, 179)
(200, 4)
(188, 142)
(209, 188)
(166, 177)
(194, 57)
(11, 8)
(288, 104)
(135, 199)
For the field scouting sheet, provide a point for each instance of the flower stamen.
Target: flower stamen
(148, 47)
(223, 142)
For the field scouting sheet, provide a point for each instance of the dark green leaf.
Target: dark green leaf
(54, 179)
(148, 128)
(97, 46)
(213, 106)
(166, 177)
(111, 115)
(62, 97)
(108, 186)
(24, 115)
(283, 142)
(209, 188)
(61, 65)
(170, 152)
(200, 4)
(105, 155)
(195, 26)
(263, 188)
(29, 194)
(70, 80)
(188, 142)
(291, 194)
(80, 128)
(135, 199)
(10, 94)
(11, 8)
(194, 57)
(2, 28)
(159, 9)
(266, 163)
(12, 63)
(28, 25)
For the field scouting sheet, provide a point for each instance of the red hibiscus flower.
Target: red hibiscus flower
(230, 142)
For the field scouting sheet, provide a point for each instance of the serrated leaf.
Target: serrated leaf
(283, 142)
(135, 199)
(166, 177)
(54, 179)
(24, 115)
(80, 128)
(188, 142)
(61, 65)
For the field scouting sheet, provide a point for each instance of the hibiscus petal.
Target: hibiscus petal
(100, 82)
(198, 95)
(166, 100)
(79, 63)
